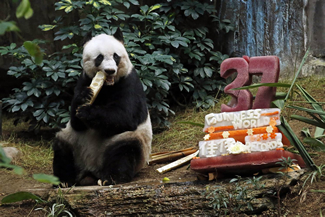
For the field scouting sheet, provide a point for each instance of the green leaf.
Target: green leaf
(279, 103)
(46, 27)
(208, 71)
(154, 7)
(310, 99)
(315, 143)
(105, 2)
(7, 27)
(308, 121)
(307, 110)
(175, 44)
(18, 170)
(134, 2)
(20, 196)
(306, 131)
(297, 74)
(35, 51)
(68, 9)
(126, 4)
(319, 132)
(288, 132)
(46, 178)
(24, 10)
(262, 85)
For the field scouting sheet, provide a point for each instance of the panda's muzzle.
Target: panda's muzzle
(109, 71)
(110, 77)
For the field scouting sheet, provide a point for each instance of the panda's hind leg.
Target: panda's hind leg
(120, 162)
(63, 163)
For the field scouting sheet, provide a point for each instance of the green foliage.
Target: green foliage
(233, 198)
(20, 196)
(24, 10)
(46, 178)
(8, 26)
(59, 206)
(41, 99)
(318, 120)
(169, 44)
(315, 175)
(285, 164)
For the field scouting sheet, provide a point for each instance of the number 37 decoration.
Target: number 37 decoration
(268, 67)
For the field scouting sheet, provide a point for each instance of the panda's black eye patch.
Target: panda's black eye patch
(117, 58)
(99, 60)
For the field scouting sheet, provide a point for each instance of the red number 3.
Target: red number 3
(266, 66)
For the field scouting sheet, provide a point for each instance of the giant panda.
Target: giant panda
(109, 141)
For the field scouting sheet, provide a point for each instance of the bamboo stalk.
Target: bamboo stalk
(171, 156)
(177, 163)
(160, 154)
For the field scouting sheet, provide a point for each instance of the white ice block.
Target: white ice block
(243, 119)
(216, 147)
(257, 143)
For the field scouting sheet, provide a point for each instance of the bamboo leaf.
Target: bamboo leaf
(286, 134)
(315, 143)
(320, 191)
(279, 103)
(297, 74)
(306, 131)
(280, 95)
(308, 121)
(262, 85)
(319, 132)
(287, 131)
(310, 99)
(307, 110)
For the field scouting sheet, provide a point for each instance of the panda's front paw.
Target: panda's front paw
(103, 183)
(85, 96)
(83, 112)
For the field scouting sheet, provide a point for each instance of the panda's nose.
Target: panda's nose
(109, 71)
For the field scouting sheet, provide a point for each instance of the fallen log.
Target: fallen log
(185, 199)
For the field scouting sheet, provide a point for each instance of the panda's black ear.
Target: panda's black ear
(86, 38)
(119, 35)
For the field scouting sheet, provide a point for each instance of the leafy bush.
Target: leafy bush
(169, 43)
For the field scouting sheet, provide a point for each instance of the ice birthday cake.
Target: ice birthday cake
(245, 136)
(241, 132)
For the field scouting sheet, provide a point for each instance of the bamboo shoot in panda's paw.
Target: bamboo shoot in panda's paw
(97, 84)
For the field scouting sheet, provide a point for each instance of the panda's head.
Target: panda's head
(106, 53)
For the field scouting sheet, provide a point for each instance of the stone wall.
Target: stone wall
(285, 28)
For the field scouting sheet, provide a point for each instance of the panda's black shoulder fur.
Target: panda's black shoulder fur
(118, 108)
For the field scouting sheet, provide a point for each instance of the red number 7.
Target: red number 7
(266, 66)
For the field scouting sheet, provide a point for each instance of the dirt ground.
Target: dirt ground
(304, 203)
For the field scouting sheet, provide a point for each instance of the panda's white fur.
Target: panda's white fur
(82, 147)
